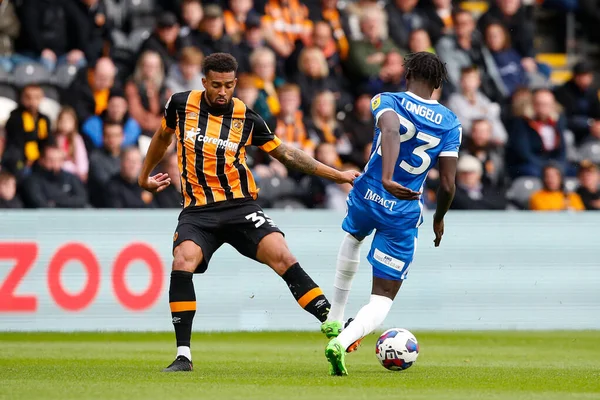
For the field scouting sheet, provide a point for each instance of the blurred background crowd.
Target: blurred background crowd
(83, 84)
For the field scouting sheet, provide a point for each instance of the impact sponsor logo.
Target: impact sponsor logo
(372, 196)
(195, 134)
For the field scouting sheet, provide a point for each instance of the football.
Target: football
(397, 349)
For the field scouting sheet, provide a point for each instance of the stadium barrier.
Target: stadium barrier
(109, 270)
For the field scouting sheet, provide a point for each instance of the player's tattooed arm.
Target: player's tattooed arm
(158, 147)
(389, 124)
(296, 159)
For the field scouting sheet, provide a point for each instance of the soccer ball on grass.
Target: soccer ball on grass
(397, 349)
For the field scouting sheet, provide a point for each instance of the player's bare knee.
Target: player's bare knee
(282, 260)
(186, 257)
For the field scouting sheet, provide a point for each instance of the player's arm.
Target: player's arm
(158, 147)
(295, 158)
(389, 125)
(448, 160)
(292, 157)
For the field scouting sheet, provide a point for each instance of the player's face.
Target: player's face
(219, 87)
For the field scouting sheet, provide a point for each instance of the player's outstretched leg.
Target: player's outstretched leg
(273, 251)
(182, 301)
(347, 264)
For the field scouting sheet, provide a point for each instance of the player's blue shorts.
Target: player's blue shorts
(395, 240)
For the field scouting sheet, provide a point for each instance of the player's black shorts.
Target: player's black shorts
(241, 223)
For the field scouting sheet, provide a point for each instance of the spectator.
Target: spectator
(419, 41)
(323, 126)
(579, 97)
(246, 90)
(537, 138)
(170, 197)
(212, 37)
(50, 34)
(164, 40)
(391, 76)
(70, 141)
(253, 39)
(320, 192)
(553, 196)
(313, 77)
(187, 74)
(588, 188)
(290, 125)
(49, 186)
(10, 27)
(262, 62)
(479, 145)
(235, 18)
(470, 104)
(26, 129)
(8, 191)
(90, 90)
(123, 190)
(192, 14)
(465, 49)
(507, 60)
(439, 16)
(146, 92)
(367, 56)
(116, 113)
(515, 18)
(324, 41)
(286, 22)
(471, 192)
(403, 18)
(105, 163)
(93, 28)
(358, 127)
(338, 26)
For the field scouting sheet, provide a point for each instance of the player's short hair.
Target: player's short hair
(219, 62)
(425, 66)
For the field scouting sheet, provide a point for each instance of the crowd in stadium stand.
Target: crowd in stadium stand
(83, 85)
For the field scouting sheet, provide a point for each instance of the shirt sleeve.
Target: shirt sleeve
(262, 137)
(381, 103)
(452, 143)
(169, 119)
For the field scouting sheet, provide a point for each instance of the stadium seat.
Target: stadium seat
(119, 39)
(9, 92)
(51, 92)
(5, 76)
(590, 151)
(51, 108)
(521, 189)
(6, 107)
(64, 75)
(31, 73)
(141, 6)
(572, 153)
(137, 37)
(571, 184)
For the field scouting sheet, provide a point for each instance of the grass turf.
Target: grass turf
(452, 365)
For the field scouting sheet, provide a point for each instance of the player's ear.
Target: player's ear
(204, 82)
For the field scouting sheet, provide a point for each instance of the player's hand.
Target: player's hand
(400, 192)
(348, 177)
(438, 229)
(156, 183)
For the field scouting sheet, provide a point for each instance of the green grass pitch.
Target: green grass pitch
(452, 365)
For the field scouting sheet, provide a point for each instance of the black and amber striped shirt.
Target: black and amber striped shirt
(211, 146)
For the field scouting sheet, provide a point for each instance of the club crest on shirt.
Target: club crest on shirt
(237, 125)
(191, 115)
(175, 236)
(375, 102)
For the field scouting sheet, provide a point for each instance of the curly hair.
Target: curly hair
(219, 62)
(425, 66)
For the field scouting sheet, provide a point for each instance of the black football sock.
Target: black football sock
(182, 299)
(306, 292)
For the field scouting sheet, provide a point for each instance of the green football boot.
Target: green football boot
(336, 355)
(331, 329)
